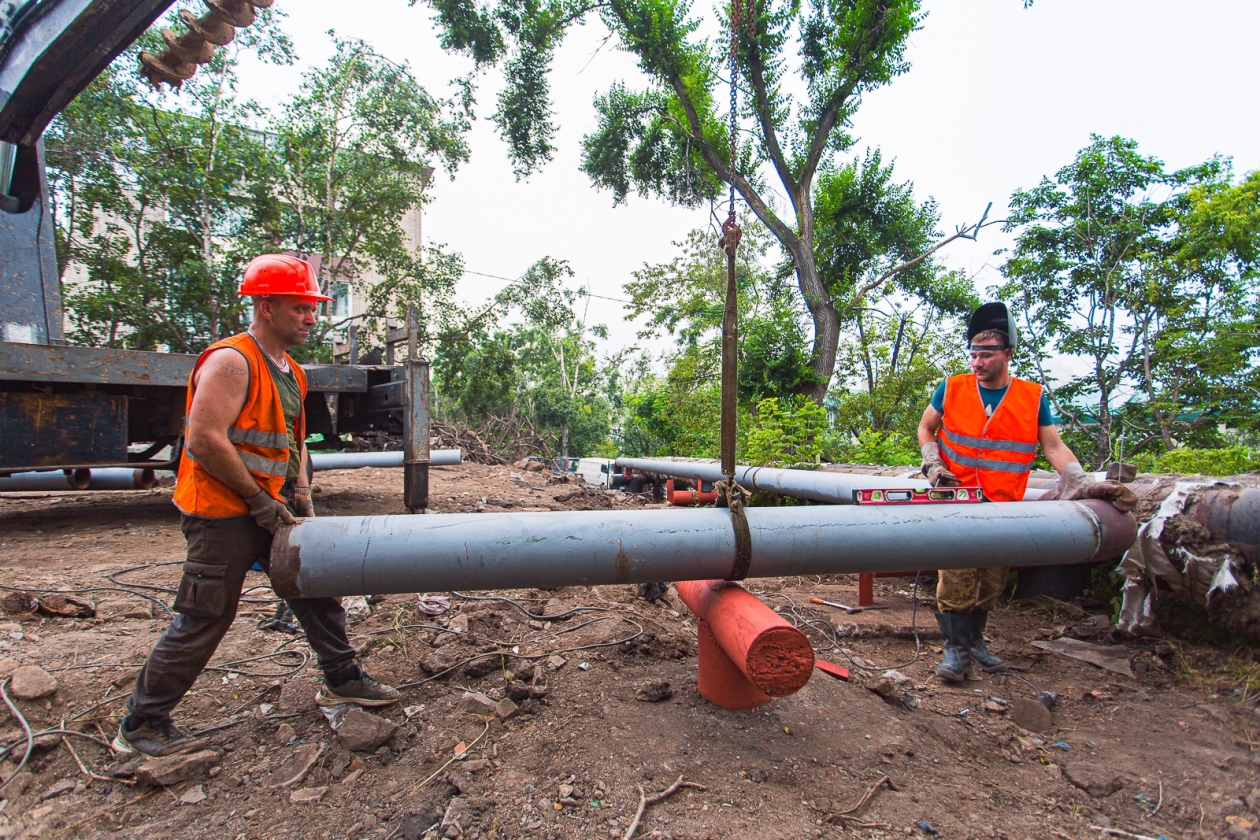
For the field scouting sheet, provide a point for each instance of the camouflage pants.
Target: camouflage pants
(969, 590)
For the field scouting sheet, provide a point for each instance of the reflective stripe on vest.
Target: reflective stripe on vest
(986, 443)
(984, 463)
(259, 435)
(255, 463)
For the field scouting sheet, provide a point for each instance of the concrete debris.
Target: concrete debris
(306, 796)
(285, 734)
(193, 795)
(505, 709)
(556, 662)
(653, 691)
(1031, 715)
(1112, 658)
(57, 789)
(474, 765)
(361, 731)
(476, 703)
(164, 772)
(30, 682)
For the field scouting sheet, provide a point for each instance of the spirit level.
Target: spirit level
(912, 496)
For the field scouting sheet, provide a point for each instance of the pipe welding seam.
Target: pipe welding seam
(360, 555)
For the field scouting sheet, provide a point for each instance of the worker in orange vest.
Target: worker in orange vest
(244, 474)
(983, 428)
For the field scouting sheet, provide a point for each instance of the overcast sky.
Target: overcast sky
(997, 96)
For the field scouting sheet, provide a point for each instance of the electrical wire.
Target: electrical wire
(829, 632)
(30, 736)
(92, 589)
(535, 616)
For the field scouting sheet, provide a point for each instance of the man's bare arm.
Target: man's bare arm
(1055, 450)
(929, 424)
(222, 385)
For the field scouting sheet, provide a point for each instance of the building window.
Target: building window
(342, 298)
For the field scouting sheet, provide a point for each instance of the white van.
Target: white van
(601, 472)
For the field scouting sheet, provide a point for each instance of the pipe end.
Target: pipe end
(1117, 531)
(286, 564)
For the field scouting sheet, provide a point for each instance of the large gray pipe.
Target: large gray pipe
(359, 555)
(109, 478)
(834, 488)
(358, 460)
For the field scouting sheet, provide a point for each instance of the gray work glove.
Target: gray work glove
(302, 504)
(1075, 483)
(938, 475)
(268, 512)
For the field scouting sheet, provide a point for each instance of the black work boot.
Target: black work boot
(988, 663)
(956, 644)
(153, 738)
(355, 687)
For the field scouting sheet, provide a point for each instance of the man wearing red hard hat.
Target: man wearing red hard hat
(244, 474)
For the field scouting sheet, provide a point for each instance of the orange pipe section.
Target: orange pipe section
(721, 681)
(694, 496)
(772, 654)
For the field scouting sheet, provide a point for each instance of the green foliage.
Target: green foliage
(876, 447)
(684, 298)
(848, 229)
(538, 375)
(887, 371)
(153, 198)
(676, 414)
(1149, 278)
(789, 431)
(1229, 460)
(161, 197)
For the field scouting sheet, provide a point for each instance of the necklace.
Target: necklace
(282, 363)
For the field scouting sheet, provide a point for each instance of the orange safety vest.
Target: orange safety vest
(259, 434)
(995, 452)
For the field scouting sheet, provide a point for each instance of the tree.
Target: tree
(352, 153)
(154, 193)
(1147, 277)
(671, 140)
(887, 370)
(541, 371)
(684, 298)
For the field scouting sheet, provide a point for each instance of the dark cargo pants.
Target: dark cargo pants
(220, 552)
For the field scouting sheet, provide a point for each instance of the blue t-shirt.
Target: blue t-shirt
(990, 397)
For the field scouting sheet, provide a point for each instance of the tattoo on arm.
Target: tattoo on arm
(231, 368)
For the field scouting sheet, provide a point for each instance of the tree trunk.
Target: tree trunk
(826, 323)
(564, 440)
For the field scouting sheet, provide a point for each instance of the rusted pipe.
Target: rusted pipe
(770, 653)
(1231, 516)
(687, 498)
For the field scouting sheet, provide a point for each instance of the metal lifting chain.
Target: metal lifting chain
(732, 495)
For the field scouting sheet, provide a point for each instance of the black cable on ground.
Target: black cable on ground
(829, 632)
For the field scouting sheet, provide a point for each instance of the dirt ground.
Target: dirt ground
(1164, 753)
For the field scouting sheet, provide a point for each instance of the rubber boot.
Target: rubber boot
(956, 643)
(980, 655)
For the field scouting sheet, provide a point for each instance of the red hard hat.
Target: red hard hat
(277, 274)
